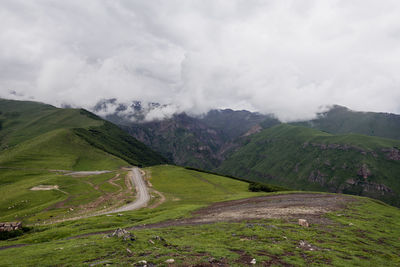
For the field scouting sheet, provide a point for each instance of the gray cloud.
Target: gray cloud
(287, 57)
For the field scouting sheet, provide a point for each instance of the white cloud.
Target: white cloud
(286, 57)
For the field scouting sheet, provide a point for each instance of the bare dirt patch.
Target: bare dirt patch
(310, 206)
(286, 206)
(44, 187)
(289, 207)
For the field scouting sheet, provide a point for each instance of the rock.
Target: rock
(303, 222)
(159, 238)
(142, 262)
(122, 233)
(151, 241)
(170, 261)
(364, 172)
(307, 246)
(253, 261)
(119, 215)
(129, 251)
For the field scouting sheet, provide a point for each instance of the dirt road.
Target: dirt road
(142, 196)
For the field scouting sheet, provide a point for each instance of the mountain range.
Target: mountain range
(339, 151)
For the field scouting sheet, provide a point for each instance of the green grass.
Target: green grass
(19, 203)
(36, 135)
(365, 234)
(290, 156)
(341, 120)
(59, 149)
(184, 186)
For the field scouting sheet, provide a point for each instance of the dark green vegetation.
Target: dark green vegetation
(343, 120)
(307, 159)
(35, 135)
(364, 234)
(253, 186)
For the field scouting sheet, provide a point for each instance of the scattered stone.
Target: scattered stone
(10, 226)
(351, 224)
(253, 261)
(159, 238)
(303, 222)
(129, 251)
(307, 246)
(170, 261)
(122, 233)
(119, 214)
(151, 242)
(212, 259)
(142, 262)
(100, 263)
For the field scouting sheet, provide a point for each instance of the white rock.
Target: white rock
(170, 261)
(253, 261)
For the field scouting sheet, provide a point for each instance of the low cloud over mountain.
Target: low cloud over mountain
(290, 58)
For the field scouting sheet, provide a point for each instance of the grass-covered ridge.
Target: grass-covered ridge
(341, 120)
(36, 135)
(308, 159)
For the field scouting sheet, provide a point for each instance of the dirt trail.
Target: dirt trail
(142, 197)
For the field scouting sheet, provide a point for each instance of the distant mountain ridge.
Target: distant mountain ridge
(339, 151)
(341, 120)
(196, 141)
(40, 135)
(309, 159)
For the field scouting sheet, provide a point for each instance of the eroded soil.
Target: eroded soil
(309, 206)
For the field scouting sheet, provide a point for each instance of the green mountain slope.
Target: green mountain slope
(304, 158)
(37, 135)
(359, 232)
(343, 120)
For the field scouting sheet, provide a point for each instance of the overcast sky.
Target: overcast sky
(290, 58)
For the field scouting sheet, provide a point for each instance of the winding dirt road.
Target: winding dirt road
(142, 196)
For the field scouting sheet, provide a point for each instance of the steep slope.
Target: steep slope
(235, 123)
(343, 120)
(182, 139)
(197, 141)
(38, 135)
(303, 158)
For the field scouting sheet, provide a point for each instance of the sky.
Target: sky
(292, 58)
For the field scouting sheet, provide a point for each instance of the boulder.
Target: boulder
(122, 233)
(170, 261)
(303, 222)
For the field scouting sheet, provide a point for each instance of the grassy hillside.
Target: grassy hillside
(36, 135)
(73, 196)
(341, 120)
(364, 233)
(307, 159)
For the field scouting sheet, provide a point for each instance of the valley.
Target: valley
(89, 194)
